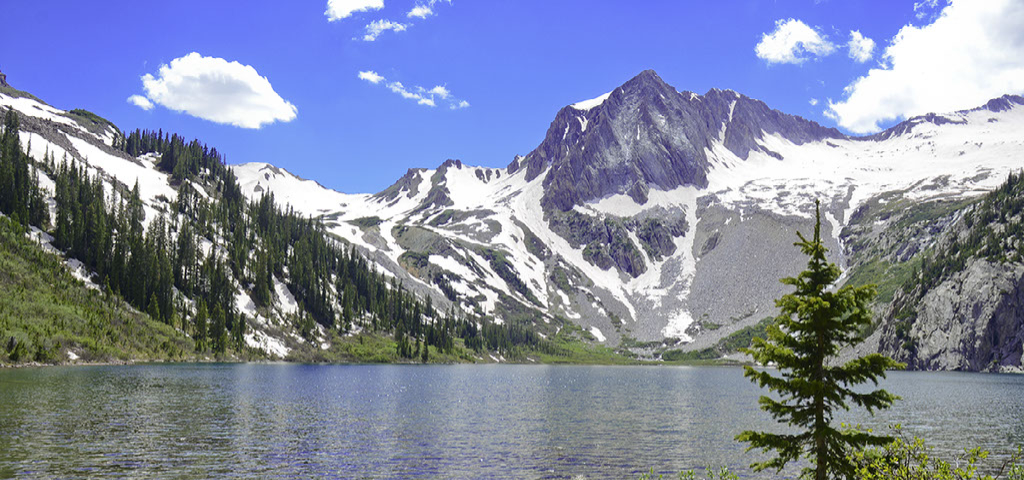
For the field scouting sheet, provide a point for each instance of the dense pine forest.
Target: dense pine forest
(184, 264)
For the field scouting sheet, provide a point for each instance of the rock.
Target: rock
(973, 320)
(646, 134)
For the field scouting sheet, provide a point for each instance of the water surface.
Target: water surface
(382, 421)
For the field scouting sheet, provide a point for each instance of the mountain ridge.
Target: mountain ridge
(649, 218)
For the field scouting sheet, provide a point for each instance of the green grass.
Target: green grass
(95, 124)
(14, 92)
(885, 276)
(45, 312)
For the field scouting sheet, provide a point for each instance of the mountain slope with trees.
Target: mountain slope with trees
(226, 276)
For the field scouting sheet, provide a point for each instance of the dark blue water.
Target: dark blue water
(300, 421)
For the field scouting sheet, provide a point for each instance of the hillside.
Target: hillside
(160, 223)
(649, 221)
(51, 317)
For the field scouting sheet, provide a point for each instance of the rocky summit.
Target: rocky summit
(650, 216)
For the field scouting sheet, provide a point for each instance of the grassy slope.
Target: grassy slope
(45, 312)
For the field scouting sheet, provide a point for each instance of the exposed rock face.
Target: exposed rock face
(3, 80)
(645, 135)
(972, 321)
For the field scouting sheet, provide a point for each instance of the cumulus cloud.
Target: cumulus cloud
(792, 41)
(424, 9)
(972, 52)
(813, 101)
(217, 90)
(371, 76)
(339, 9)
(422, 96)
(377, 27)
(420, 11)
(440, 91)
(861, 48)
(141, 102)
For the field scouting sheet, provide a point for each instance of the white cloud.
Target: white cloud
(424, 9)
(861, 48)
(217, 90)
(813, 101)
(371, 76)
(339, 9)
(420, 95)
(974, 51)
(377, 27)
(792, 41)
(923, 7)
(141, 102)
(420, 11)
(440, 91)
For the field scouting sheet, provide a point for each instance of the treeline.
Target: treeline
(994, 231)
(185, 262)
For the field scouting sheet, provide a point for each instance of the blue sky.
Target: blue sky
(505, 66)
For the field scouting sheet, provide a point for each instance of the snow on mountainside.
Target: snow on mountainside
(693, 254)
(77, 137)
(645, 213)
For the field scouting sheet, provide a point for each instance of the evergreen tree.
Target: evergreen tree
(200, 325)
(815, 323)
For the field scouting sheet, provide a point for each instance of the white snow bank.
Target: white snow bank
(593, 102)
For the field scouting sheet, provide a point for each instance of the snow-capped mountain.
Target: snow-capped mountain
(649, 213)
(645, 214)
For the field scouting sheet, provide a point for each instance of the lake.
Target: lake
(465, 421)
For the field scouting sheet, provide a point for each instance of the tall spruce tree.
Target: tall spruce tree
(814, 324)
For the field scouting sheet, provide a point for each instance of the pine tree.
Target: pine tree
(200, 325)
(815, 323)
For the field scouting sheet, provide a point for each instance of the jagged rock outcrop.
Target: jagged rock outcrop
(973, 320)
(3, 80)
(645, 135)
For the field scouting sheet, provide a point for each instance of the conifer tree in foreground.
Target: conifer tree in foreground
(814, 324)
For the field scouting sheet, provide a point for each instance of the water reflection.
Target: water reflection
(299, 421)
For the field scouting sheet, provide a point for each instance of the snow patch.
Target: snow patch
(596, 332)
(593, 102)
(285, 301)
(260, 340)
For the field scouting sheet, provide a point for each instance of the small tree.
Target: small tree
(813, 326)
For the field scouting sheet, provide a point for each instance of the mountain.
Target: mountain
(647, 220)
(652, 217)
(157, 229)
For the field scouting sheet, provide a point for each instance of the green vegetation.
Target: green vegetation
(814, 324)
(994, 232)
(886, 276)
(722, 473)
(95, 124)
(45, 313)
(565, 347)
(15, 93)
(911, 459)
(366, 222)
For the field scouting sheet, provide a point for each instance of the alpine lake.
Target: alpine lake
(458, 422)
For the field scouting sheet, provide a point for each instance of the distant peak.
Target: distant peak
(646, 77)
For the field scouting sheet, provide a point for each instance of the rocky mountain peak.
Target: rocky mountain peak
(645, 134)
